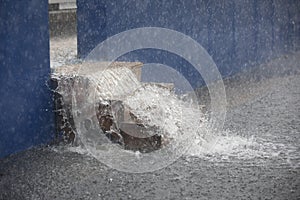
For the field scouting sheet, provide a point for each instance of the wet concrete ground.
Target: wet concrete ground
(267, 109)
(45, 174)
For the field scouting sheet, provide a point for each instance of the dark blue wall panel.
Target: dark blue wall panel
(25, 103)
(236, 33)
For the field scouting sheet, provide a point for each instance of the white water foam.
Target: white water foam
(157, 106)
(230, 146)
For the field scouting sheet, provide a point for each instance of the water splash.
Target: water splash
(160, 107)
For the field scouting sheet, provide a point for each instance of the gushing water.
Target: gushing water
(176, 120)
(158, 106)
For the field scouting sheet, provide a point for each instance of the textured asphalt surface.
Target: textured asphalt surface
(268, 108)
(44, 174)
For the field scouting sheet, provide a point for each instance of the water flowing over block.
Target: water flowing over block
(110, 84)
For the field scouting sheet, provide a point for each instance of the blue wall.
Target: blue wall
(25, 102)
(237, 33)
